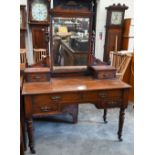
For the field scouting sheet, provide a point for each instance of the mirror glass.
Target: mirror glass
(70, 41)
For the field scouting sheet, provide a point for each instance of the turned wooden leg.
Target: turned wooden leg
(30, 135)
(121, 122)
(24, 134)
(22, 118)
(21, 141)
(22, 149)
(105, 116)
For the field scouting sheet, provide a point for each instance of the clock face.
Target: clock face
(39, 11)
(116, 18)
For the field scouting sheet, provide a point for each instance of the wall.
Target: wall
(101, 20)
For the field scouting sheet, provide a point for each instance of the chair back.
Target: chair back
(116, 59)
(123, 67)
(39, 54)
(23, 60)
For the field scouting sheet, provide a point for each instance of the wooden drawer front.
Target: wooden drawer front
(106, 75)
(111, 102)
(38, 77)
(110, 93)
(58, 98)
(111, 98)
(44, 103)
(90, 96)
(71, 97)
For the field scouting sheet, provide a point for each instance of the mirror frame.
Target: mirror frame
(71, 14)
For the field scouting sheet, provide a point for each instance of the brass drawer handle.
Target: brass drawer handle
(102, 95)
(46, 109)
(37, 77)
(104, 75)
(55, 98)
(112, 103)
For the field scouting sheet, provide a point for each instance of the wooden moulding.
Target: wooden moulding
(103, 72)
(67, 71)
(37, 70)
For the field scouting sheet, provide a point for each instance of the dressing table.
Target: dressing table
(46, 98)
(51, 90)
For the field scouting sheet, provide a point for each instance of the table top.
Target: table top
(72, 84)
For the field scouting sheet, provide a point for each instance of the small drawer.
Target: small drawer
(110, 94)
(111, 102)
(58, 98)
(106, 75)
(37, 77)
(103, 71)
(44, 104)
(49, 99)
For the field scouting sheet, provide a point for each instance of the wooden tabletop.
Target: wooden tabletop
(72, 84)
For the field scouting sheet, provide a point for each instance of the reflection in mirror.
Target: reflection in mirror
(70, 41)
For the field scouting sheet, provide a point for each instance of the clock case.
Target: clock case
(113, 30)
(39, 29)
(31, 21)
(23, 26)
(23, 12)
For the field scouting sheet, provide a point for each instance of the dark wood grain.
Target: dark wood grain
(70, 84)
(22, 39)
(40, 36)
(23, 16)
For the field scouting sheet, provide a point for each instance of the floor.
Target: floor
(90, 136)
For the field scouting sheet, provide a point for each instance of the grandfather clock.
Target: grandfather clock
(114, 29)
(38, 11)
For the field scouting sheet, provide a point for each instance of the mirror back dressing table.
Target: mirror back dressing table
(71, 77)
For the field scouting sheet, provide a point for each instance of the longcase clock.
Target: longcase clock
(114, 28)
(39, 22)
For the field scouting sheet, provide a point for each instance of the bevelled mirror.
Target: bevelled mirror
(71, 31)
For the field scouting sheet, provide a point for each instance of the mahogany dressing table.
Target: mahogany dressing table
(46, 98)
(49, 91)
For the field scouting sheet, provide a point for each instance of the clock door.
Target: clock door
(39, 37)
(113, 42)
(22, 39)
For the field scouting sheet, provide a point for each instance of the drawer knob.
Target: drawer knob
(102, 95)
(45, 109)
(55, 98)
